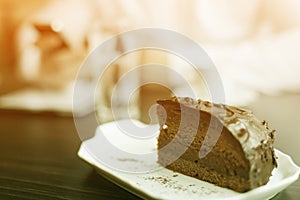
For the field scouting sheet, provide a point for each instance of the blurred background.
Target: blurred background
(254, 45)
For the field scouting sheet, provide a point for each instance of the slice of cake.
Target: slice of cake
(237, 152)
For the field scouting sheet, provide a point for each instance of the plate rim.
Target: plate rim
(146, 195)
(109, 174)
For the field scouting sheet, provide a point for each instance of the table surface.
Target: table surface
(38, 154)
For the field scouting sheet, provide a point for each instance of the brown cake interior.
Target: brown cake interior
(181, 137)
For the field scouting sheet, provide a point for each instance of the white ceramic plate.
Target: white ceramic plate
(166, 184)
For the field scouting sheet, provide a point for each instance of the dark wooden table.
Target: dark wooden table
(39, 161)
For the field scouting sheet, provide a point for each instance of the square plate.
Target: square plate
(164, 183)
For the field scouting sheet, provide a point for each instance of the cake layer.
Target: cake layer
(239, 152)
(196, 170)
